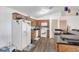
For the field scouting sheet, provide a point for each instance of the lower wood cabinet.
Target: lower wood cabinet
(33, 35)
(67, 48)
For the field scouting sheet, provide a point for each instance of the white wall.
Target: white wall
(72, 21)
(53, 17)
(5, 25)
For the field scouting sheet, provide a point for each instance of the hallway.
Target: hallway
(44, 45)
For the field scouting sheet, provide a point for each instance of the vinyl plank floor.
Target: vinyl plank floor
(44, 45)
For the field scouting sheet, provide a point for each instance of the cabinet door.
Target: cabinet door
(68, 48)
(34, 23)
(33, 34)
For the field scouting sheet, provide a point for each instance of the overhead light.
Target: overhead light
(43, 11)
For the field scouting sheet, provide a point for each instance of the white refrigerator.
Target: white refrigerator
(21, 34)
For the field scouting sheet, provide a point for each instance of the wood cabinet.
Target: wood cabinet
(33, 35)
(44, 21)
(38, 22)
(67, 48)
(33, 23)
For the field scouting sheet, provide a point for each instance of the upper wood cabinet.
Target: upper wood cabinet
(34, 22)
(38, 22)
(18, 16)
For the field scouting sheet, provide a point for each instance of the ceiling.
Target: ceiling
(33, 10)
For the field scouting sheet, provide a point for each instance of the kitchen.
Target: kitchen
(40, 29)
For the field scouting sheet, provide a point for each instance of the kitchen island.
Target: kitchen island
(67, 43)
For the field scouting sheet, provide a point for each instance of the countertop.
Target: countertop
(67, 39)
(70, 37)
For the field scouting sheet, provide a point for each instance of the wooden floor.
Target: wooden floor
(44, 45)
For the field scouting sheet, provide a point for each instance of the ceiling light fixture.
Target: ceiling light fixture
(43, 11)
